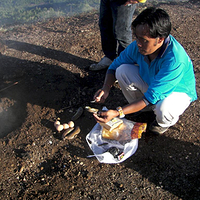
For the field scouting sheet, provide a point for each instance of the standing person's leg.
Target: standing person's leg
(115, 28)
(122, 19)
(108, 41)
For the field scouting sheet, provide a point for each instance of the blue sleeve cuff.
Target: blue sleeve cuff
(146, 101)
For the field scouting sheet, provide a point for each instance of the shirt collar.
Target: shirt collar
(162, 50)
(164, 46)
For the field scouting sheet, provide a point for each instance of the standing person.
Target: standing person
(153, 72)
(115, 27)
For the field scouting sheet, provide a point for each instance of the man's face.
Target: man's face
(146, 44)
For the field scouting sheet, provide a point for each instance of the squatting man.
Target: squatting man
(154, 72)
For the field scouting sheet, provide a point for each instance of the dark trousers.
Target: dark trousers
(115, 26)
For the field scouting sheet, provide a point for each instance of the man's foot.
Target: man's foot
(104, 63)
(155, 128)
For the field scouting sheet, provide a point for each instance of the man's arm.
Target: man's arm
(101, 95)
(134, 107)
(105, 116)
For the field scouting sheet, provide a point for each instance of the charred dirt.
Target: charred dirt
(44, 76)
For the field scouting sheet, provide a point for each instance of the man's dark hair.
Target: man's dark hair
(157, 20)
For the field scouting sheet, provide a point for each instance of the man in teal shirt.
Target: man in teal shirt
(154, 72)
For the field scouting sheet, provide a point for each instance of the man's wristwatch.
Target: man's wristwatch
(121, 114)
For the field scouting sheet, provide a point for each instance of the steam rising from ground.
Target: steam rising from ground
(18, 12)
(7, 117)
(22, 12)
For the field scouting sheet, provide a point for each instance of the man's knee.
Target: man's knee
(120, 71)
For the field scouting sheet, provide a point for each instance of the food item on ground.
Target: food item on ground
(67, 132)
(138, 129)
(73, 133)
(91, 110)
(65, 126)
(111, 135)
(78, 113)
(124, 133)
(111, 129)
(114, 134)
(56, 123)
(112, 124)
(71, 124)
(59, 127)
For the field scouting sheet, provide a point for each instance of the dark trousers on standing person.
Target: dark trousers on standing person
(115, 26)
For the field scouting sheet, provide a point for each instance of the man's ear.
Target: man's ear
(160, 39)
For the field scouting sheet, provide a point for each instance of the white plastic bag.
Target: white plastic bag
(101, 146)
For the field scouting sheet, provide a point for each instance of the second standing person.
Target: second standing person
(115, 27)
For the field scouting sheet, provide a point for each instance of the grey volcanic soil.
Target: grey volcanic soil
(44, 75)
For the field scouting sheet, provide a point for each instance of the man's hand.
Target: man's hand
(101, 95)
(106, 116)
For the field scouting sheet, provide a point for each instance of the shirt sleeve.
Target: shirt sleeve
(128, 56)
(165, 81)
